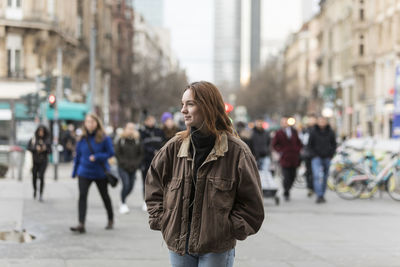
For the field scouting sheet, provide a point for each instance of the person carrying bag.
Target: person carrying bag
(90, 165)
(111, 179)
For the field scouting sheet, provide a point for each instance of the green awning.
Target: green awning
(4, 105)
(21, 112)
(68, 111)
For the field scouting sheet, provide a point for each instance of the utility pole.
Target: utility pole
(92, 59)
(56, 129)
(106, 100)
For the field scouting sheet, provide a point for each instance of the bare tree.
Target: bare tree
(266, 95)
(155, 89)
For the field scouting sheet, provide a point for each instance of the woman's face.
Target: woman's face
(41, 132)
(191, 111)
(90, 124)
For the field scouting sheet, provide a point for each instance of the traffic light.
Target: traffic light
(52, 100)
(228, 108)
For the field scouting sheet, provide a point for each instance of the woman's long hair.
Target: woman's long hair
(99, 131)
(46, 133)
(212, 107)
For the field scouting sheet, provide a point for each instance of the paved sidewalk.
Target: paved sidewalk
(298, 233)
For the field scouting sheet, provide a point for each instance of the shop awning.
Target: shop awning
(68, 111)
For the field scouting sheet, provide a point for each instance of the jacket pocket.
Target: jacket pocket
(220, 193)
(173, 193)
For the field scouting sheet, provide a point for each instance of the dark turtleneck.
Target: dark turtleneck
(203, 145)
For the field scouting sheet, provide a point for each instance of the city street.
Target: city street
(296, 233)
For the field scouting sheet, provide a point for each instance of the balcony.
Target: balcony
(16, 74)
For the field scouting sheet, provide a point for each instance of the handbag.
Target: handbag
(111, 179)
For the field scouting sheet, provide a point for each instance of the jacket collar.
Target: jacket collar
(218, 150)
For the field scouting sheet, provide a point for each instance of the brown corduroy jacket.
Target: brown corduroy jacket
(227, 206)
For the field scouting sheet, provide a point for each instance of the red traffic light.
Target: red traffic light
(228, 107)
(52, 100)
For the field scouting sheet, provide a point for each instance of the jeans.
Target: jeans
(308, 174)
(289, 175)
(128, 181)
(320, 169)
(38, 171)
(102, 185)
(224, 259)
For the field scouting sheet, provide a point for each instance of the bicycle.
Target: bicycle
(367, 183)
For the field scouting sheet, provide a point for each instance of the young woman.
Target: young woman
(92, 153)
(129, 153)
(203, 190)
(39, 145)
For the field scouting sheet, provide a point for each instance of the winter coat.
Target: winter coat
(289, 149)
(260, 142)
(152, 140)
(129, 153)
(322, 142)
(228, 204)
(39, 156)
(85, 168)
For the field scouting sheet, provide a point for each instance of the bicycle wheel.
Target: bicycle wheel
(346, 187)
(393, 186)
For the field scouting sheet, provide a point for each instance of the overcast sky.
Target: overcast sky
(191, 24)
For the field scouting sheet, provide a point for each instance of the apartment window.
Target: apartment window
(50, 8)
(14, 56)
(17, 60)
(14, 10)
(14, 3)
(9, 62)
(361, 14)
(361, 47)
(119, 32)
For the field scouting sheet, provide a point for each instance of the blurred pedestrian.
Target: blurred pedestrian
(152, 139)
(260, 142)
(129, 153)
(287, 143)
(168, 126)
(91, 160)
(322, 145)
(203, 190)
(306, 154)
(68, 141)
(244, 133)
(40, 147)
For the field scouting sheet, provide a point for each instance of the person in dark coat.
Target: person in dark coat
(68, 141)
(306, 153)
(90, 166)
(153, 139)
(244, 133)
(322, 145)
(129, 153)
(260, 142)
(40, 147)
(287, 143)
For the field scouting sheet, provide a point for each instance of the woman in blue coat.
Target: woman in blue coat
(89, 164)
